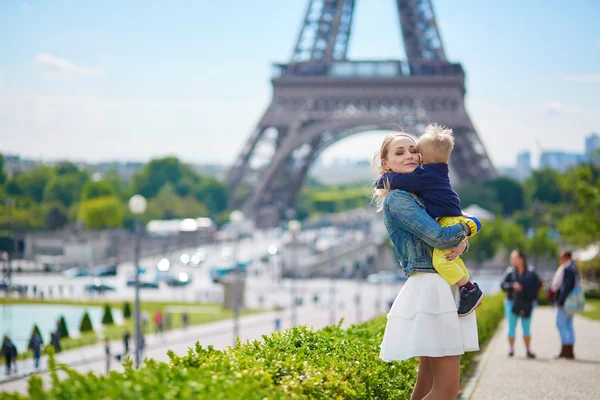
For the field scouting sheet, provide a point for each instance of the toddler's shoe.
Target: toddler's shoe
(469, 300)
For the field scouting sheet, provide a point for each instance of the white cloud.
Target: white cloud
(26, 7)
(556, 108)
(59, 68)
(587, 78)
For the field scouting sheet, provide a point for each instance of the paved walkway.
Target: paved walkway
(516, 378)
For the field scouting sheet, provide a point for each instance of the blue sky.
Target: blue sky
(131, 80)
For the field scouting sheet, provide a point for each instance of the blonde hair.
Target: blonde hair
(436, 144)
(377, 166)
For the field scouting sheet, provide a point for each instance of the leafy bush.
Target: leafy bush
(107, 318)
(86, 323)
(331, 363)
(62, 328)
(126, 310)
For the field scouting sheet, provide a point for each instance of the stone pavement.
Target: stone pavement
(500, 377)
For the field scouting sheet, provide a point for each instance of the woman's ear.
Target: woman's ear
(384, 165)
(420, 158)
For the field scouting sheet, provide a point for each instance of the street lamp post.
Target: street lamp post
(294, 227)
(137, 205)
(236, 217)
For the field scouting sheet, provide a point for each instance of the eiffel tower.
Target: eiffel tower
(321, 97)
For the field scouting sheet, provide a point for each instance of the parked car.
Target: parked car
(99, 287)
(105, 270)
(75, 272)
(143, 284)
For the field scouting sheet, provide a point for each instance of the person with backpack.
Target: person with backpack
(35, 345)
(564, 284)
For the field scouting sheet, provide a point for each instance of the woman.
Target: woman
(521, 284)
(423, 320)
(564, 282)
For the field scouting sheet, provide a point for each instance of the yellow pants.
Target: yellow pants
(451, 271)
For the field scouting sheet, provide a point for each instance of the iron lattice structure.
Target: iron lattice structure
(321, 97)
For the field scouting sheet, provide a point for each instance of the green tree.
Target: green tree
(581, 223)
(543, 186)
(474, 193)
(214, 194)
(158, 172)
(63, 188)
(167, 205)
(86, 323)
(2, 173)
(509, 193)
(62, 327)
(126, 310)
(66, 168)
(484, 245)
(101, 212)
(56, 217)
(541, 245)
(31, 183)
(121, 188)
(512, 236)
(96, 189)
(107, 318)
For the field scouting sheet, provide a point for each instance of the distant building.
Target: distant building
(14, 164)
(592, 146)
(509, 172)
(523, 170)
(560, 161)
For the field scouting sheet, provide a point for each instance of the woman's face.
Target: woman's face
(402, 156)
(516, 260)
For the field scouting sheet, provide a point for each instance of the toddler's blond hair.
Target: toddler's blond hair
(436, 144)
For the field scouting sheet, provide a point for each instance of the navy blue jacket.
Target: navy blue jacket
(568, 284)
(430, 182)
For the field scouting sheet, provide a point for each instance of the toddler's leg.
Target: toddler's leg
(449, 270)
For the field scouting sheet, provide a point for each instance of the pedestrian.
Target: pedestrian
(126, 338)
(55, 341)
(7, 352)
(158, 322)
(423, 320)
(521, 284)
(14, 355)
(566, 282)
(35, 345)
(168, 321)
(107, 354)
(184, 319)
(142, 345)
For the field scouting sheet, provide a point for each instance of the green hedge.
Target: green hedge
(299, 363)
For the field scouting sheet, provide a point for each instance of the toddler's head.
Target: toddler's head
(436, 144)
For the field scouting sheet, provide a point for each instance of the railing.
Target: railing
(369, 69)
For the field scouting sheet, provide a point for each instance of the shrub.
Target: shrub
(107, 318)
(331, 363)
(126, 310)
(62, 327)
(86, 323)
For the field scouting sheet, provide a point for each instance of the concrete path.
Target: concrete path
(501, 377)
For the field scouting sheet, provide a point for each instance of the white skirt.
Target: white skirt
(423, 321)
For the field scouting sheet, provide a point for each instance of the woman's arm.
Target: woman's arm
(414, 219)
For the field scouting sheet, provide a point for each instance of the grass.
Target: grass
(201, 314)
(595, 312)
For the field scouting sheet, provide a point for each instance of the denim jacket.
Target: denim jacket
(414, 233)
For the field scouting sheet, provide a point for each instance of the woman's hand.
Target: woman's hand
(517, 287)
(456, 251)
